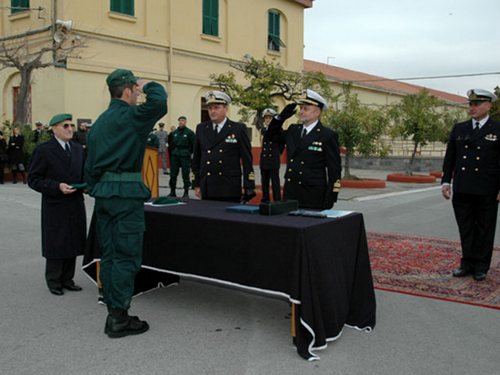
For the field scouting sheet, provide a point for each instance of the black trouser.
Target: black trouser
(2, 167)
(274, 176)
(177, 162)
(476, 217)
(60, 272)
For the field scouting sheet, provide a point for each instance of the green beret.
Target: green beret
(182, 118)
(120, 77)
(59, 118)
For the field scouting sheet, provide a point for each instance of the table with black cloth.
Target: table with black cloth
(319, 264)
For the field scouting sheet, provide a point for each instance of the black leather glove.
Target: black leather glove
(288, 111)
(248, 195)
(330, 199)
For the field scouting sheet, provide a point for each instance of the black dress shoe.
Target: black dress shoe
(131, 325)
(56, 291)
(461, 272)
(73, 288)
(479, 276)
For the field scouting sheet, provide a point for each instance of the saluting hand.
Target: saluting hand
(141, 83)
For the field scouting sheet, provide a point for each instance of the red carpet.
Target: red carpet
(422, 266)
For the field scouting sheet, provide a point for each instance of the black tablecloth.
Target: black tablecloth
(320, 264)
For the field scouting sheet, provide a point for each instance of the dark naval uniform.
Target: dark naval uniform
(63, 215)
(472, 160)
(218, 159)
(182, 148)
(272, 147)
(116, 148)
(313, 171)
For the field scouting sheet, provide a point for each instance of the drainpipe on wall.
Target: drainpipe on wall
(170, 59)
(53, 26)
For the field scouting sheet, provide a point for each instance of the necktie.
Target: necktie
(216, 129)
(476, 125)
(68, 151)
(304, 132)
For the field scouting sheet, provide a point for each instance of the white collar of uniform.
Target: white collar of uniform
(481, 122)
(61, 142)
(221, 124)
(310, 127)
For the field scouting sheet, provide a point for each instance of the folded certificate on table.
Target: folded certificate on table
(335, 213)
(307, 213)
(243, 208)
(163, 201)
(79, 186)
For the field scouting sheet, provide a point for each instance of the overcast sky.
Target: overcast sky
(409, 38)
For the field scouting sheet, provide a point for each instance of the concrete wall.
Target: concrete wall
(396, 163)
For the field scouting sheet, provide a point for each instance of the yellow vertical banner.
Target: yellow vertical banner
(150, 174)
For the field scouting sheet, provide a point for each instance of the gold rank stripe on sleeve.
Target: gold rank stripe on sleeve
(336, 186)
(251, 176)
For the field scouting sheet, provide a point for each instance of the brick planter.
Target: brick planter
(363, 184)
(419, 179)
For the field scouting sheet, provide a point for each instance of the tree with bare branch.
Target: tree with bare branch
(26, 54)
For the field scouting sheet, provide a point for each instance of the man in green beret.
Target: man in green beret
(55, 169)
(182, 148)
(115, 152)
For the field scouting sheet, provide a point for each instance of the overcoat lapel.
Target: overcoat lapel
(58, 152)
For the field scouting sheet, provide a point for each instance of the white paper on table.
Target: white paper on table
(336, 213)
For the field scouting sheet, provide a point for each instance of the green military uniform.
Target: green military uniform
(116, 148)
(182, 141)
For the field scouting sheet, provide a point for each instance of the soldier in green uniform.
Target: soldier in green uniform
(116, 147)
(182, 148)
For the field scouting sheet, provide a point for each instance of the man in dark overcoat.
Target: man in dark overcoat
(314, 166)
(472, 162)
(55, 166)
(221, 150)
(270, 155)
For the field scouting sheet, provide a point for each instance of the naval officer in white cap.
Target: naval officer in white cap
(472, 165)
(272, 148)
(222, 156)
(313, 170)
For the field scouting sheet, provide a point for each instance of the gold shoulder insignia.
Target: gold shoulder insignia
(251, 176)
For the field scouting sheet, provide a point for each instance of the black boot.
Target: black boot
(172, 193)
(186, 194)
(120, 324)
(14, 177)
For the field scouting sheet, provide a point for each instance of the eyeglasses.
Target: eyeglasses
(66, 126)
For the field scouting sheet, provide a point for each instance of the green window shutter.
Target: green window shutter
(122, 6)
(19, 6)
(274, 41)
(211, 17)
